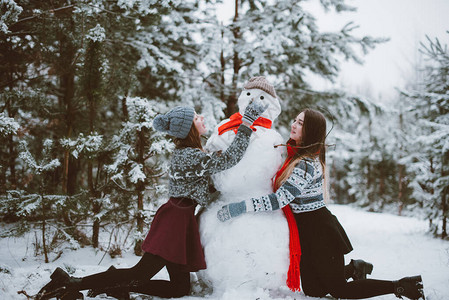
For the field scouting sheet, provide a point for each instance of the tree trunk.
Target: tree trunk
(401, 189)
(67, 87)
(72, 175)
(124, 109)
(44, 242)
(11, 149)
(69, 119)
(140, 190)
(12, 162)
(65, 171)
(401, 168)
(232, 100)
(444, 213)
(223, 68)
(96, 206)
(381, 182)
(139, 220)
(96, 226)
(369, 181)
(444, 204)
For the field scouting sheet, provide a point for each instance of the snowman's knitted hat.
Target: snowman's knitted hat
(259, 82)
(177, 122)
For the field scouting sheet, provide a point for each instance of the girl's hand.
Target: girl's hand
(254, 110)
(231, 211)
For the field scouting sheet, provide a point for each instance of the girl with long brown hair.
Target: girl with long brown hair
(173, 240)
(300, 189)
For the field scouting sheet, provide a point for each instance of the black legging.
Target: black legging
(321, 276)
(148, 266)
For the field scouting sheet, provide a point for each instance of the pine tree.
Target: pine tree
(281, 41)
(92, 90)
(8, 128)
(135, 169)
(41, 203)
(430, 107)
(68, 69)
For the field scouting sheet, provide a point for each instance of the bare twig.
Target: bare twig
(23, 292)
(55, 11)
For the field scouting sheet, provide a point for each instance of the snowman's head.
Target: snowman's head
(259, 88)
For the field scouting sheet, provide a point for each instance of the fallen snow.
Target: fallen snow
(397, 246)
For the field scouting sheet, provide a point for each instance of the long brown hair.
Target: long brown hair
(312, 145)
(191, 140)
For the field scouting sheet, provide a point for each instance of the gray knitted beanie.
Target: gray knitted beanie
(177, 122)
(259, 82)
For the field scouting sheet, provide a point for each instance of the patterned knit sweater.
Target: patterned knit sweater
(303, 190)
(190, 168)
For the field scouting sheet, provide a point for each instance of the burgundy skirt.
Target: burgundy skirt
(174, 235)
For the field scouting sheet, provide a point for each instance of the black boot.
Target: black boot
(55, 286)
(61, 285)
(120, 291)
(361, 268)
(410, 287)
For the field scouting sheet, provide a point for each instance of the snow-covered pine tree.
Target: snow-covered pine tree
(8, 127)
(22, 106)
(138, 162)
(282, 41)
(16, 48)
(373, 162)
(90, 148)
(429, 108)
(92, 86)
(40, 204)
(47, 48)
(205, 86)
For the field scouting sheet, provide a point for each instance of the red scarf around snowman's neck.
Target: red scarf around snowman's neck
(293, 275)
(236, 119)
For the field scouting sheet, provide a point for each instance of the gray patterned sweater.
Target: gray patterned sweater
(190, 168)
(303, 190)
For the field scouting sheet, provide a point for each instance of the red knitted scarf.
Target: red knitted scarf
(293, 275)
(236, 119)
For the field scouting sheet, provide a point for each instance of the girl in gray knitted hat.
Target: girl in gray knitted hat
(318, 242)
(173, 240)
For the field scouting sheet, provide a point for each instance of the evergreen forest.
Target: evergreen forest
(81, 82)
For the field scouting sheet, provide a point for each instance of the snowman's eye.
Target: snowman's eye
(248, 94)
(262, 97)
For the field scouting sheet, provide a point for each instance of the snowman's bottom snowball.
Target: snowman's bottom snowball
(246, 252)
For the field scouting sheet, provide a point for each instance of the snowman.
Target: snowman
(250, 251)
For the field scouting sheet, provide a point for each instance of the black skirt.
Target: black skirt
(174, 235)
(320, 233)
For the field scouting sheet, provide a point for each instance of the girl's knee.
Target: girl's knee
(313, 291)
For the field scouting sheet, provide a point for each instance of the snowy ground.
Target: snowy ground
(397, 246)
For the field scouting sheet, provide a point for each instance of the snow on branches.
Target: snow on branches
(88, 145)
(9, 13)
(137, 143)
(7, 125)
(97, 34)
(47, 164)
